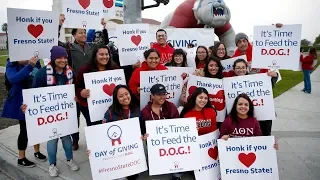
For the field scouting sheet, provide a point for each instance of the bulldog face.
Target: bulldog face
(212, 13)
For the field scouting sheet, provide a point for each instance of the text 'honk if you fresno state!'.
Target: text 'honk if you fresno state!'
(136, 39)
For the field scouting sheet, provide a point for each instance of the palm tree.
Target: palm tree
(4, 28)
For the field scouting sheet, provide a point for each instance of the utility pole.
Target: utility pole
(132, 10)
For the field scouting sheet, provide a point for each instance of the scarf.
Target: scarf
(51, 80)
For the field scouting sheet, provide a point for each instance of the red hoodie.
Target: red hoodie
(134, 81)
(306, 62)
(165, 52)
(245, 128)
(248, 53)
(206, 120)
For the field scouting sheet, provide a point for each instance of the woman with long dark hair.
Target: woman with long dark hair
(201, 56)
(307, 68)
(179, 59)
(123, 107)
(241, 121)
(220, 51)
(199, 106)
(100, 61)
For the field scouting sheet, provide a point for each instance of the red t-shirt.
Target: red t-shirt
(306, 62)
(206, 120)
(165, 52)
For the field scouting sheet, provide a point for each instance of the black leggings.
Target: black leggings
(23, 136)
(266, 127)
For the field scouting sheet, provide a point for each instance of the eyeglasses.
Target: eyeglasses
(201, 52)
(240, 68)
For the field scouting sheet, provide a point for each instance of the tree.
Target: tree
(4, 28)
(317, 41)
(305, 42)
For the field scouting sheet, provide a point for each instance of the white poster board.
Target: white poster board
(191, 55)
(276, 48)
(101, 85)
(109, 10)
(210, 165)
(51, 113)
(118, 151)
(227, 65)
(172, 80)
(172, 145)
(181, 37)
(214, 87)
(83, 14)
(31, 33)
(248, 158)
(133, 40)
(258, 87)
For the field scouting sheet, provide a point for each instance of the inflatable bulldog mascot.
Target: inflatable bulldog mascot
(204, 14)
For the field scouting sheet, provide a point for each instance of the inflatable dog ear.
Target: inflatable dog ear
(204, 14)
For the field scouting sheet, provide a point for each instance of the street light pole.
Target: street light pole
(132, 11)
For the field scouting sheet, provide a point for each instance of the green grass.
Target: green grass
(3, 60)
(289, 80)
(4, 52)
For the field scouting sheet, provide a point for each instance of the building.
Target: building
(65, 34)
(3, 41)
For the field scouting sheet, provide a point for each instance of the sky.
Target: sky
(245, 14)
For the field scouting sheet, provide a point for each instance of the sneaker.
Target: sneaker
(26, 163)
(75, 145)
(53, 171)
(303, 90)
(40, 156)
(73, 166)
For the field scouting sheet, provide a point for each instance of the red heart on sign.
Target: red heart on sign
(217, 100)
(35, 31)
(108, 3)
(136, 39)
(84, 3)
(247, 159)
(228, 74)
(191, 90)
(213, 152)
(108, 89)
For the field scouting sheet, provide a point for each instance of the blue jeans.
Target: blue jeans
(307, 81)
(52, 147)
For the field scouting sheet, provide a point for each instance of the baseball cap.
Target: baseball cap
(158, 89)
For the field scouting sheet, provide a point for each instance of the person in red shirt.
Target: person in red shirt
(241, 121)
(152, 63)
(162, 46)
(199, 107)
(307, 68)
(201, 57)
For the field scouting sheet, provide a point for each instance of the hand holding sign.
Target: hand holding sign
(62, 18)
(85, 93)
(33, 61)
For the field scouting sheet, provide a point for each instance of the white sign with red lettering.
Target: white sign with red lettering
(101, 85)
(171, 79)
(258, 87)
(216, 93)
(276, 48)
(51, 113)
(174, 144)
(83, 14)
(227, 65)
(31, 33)
(248, 158)
(133, 40)
(118, 151)
(191, 57)
(210, 165)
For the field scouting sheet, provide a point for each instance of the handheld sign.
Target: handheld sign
(276, 48)
(118, 152)
(51, 113)
(31, 33)
(227, 65)
(109, 10)
(101, 85)
(172, 145)
(258, 87)
(84, 14)
(248, 158)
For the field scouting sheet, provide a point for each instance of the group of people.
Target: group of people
(70, 61)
